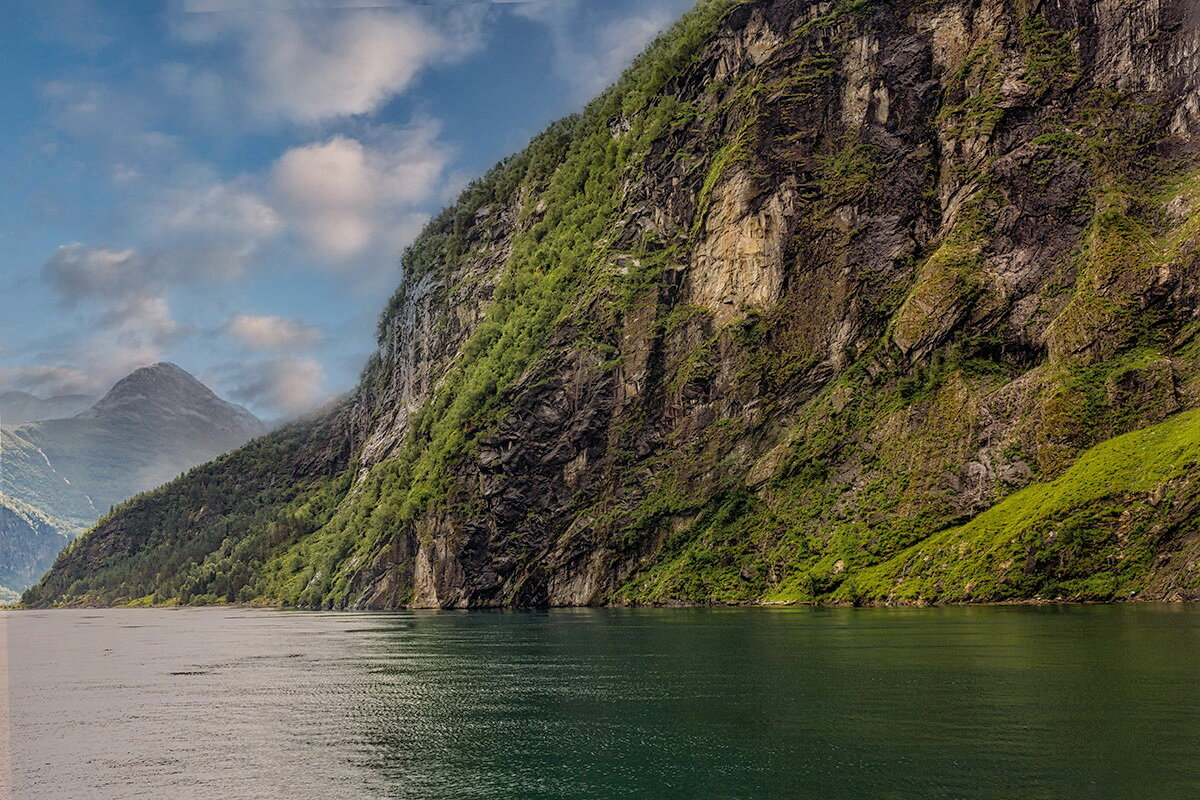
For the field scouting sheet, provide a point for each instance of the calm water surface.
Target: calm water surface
(1074, 702)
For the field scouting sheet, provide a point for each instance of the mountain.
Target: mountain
(17, 408)
(852, 301)
(29, 542)
(59, 475)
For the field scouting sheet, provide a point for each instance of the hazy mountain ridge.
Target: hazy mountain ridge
(849, 301)
(17, 408)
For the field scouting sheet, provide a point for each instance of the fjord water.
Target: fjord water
(1067, 702)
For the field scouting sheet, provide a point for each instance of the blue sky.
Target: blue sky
(228, 184)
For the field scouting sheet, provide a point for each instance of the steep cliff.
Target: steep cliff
(844, 301)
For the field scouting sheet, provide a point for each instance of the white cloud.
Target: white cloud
(330, 188)
(143, 323)
(46, 380)
(225, 208)
(312, 62)
(271, 333)
(346, 198)
(120, 295)
(112, 278)
(291, 385)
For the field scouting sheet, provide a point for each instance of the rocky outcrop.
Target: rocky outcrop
(813, 288)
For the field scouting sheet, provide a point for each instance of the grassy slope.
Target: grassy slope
(1089, 534)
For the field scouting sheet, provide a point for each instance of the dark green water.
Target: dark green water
(1072, 702)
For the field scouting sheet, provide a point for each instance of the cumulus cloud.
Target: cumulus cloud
(122, 284)
(345, 197)
(330, 187)
(291, 385)
(271, 333)
(224, 208)
(143, 323)
(315, 61)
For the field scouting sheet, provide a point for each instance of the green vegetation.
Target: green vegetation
(1118, 261)
(1089, 534)
(949, 280)
(1051, 60)
(847, 174)
(726, 157)
(841, 11)
(977, 113)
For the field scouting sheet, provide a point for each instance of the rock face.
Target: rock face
(60, 475)
(840, 301)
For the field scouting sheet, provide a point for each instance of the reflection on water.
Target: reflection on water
(1073, 702)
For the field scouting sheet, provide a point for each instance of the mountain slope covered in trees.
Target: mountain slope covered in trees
(842, 301)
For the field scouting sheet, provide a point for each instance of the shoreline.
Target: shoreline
(1026, 603)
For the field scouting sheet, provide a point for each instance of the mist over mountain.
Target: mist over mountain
(60, 475)
(17, 408)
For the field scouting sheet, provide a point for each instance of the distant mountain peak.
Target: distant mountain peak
(164, 385)
(155, 377)
(163, 396)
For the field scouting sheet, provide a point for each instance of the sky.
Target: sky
(229, 184)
